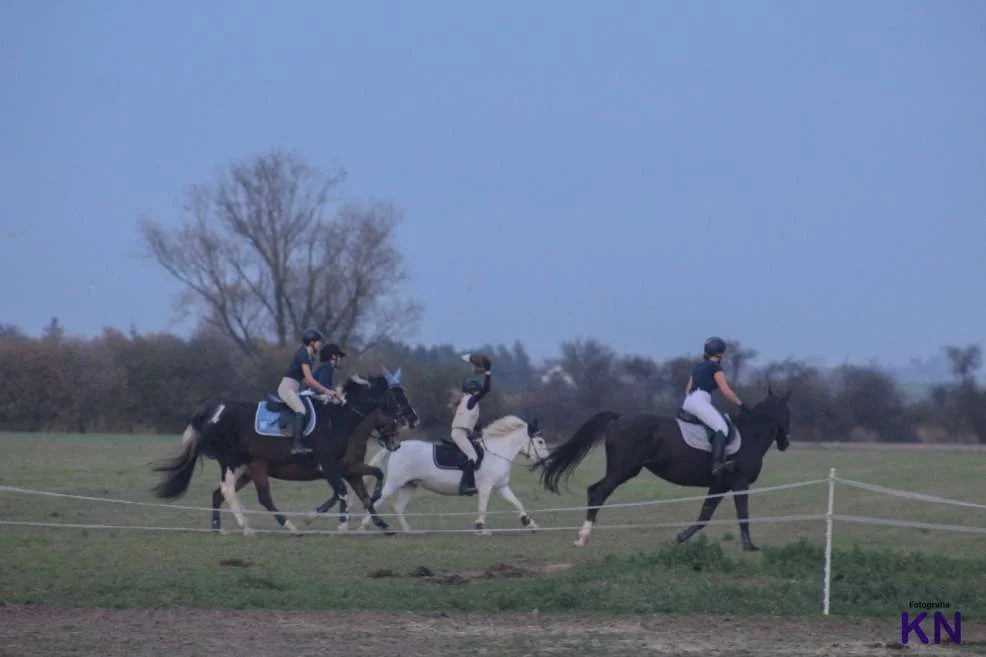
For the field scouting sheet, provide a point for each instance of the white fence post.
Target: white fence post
(828, 543)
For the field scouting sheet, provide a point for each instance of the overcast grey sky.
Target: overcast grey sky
(806, 177)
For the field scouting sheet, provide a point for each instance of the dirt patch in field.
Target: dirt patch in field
(51, 632)
(496, 571)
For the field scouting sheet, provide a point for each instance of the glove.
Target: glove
(480, 362)
(745, 409)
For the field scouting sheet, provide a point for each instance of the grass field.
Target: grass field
(877, 570)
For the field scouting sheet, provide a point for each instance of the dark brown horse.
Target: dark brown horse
(352, 466)
(229, 434)
(634, 442)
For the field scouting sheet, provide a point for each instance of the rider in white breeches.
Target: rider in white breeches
(464, 424)
(706, 378)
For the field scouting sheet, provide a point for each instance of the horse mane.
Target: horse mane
(503, 426)
(354, 383)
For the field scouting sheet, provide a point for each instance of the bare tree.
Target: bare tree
(964, 361)
(260, 259)
(739, 358)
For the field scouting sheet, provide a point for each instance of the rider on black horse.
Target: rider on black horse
(704, 380)
(330, 358)
(300, 370)
(465, 420)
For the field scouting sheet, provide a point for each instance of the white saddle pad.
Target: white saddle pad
(697, 436)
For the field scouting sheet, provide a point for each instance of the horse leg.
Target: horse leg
(484, 502)
(217, 501)
(709, 507)
(333, 474)
(321, 510)
(597, 495)
(400, 505)
(228, 488)
(364, 470)
(261, 481)
(742, 501)
(509, 496)
(388, 490)
(369, 501)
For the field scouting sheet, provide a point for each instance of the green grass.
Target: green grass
(877, 570)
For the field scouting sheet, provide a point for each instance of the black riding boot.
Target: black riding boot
(467, 486)
(718, 452)
(298, 426)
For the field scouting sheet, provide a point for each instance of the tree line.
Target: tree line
(270, 246)
(129, 382)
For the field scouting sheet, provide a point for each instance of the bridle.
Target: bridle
(530, 446)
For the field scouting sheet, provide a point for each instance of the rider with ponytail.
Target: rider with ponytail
(706, 378)
(300, 370)
(466, 418)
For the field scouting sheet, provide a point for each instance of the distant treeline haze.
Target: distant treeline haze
(133, 383)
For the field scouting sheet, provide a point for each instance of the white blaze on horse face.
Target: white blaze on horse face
(228, 488)
(215, 416)
(540, 448)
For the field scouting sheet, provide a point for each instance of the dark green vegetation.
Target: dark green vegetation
(877, 570)
(154, 383)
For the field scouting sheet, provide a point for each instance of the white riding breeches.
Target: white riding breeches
(288, 392)
(699, 404)
(461, 438)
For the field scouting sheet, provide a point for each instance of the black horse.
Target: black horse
(228, 433)
(655, 442)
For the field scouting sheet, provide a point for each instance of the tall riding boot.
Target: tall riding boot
(718, 452)
(467, 486)
(298, 425)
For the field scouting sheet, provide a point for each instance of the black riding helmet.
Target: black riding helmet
(311, 335)
(330, 350)
(715, 347)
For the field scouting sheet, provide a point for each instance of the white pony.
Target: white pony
(413, 464)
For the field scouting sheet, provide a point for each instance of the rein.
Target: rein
(486, 447)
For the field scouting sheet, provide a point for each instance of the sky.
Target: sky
(806, 177)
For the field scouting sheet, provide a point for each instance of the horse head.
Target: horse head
(531, 444)
(777, 410)
(385, 429)
(385, 392)
(537, 448)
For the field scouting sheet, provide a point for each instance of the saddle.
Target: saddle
(688, 418)
(276, 404)
(448, 456)
(273, 417)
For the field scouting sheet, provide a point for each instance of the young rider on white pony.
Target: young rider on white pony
(706, 378)
(466, 417)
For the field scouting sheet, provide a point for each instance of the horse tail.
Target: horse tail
(566, 457)
(181, 468)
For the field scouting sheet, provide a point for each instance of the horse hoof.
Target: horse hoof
(579, 542)
(750, 547)
(222, 531)
(343, 528)
(288, 525)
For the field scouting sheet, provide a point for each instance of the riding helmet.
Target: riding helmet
(715, 347)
